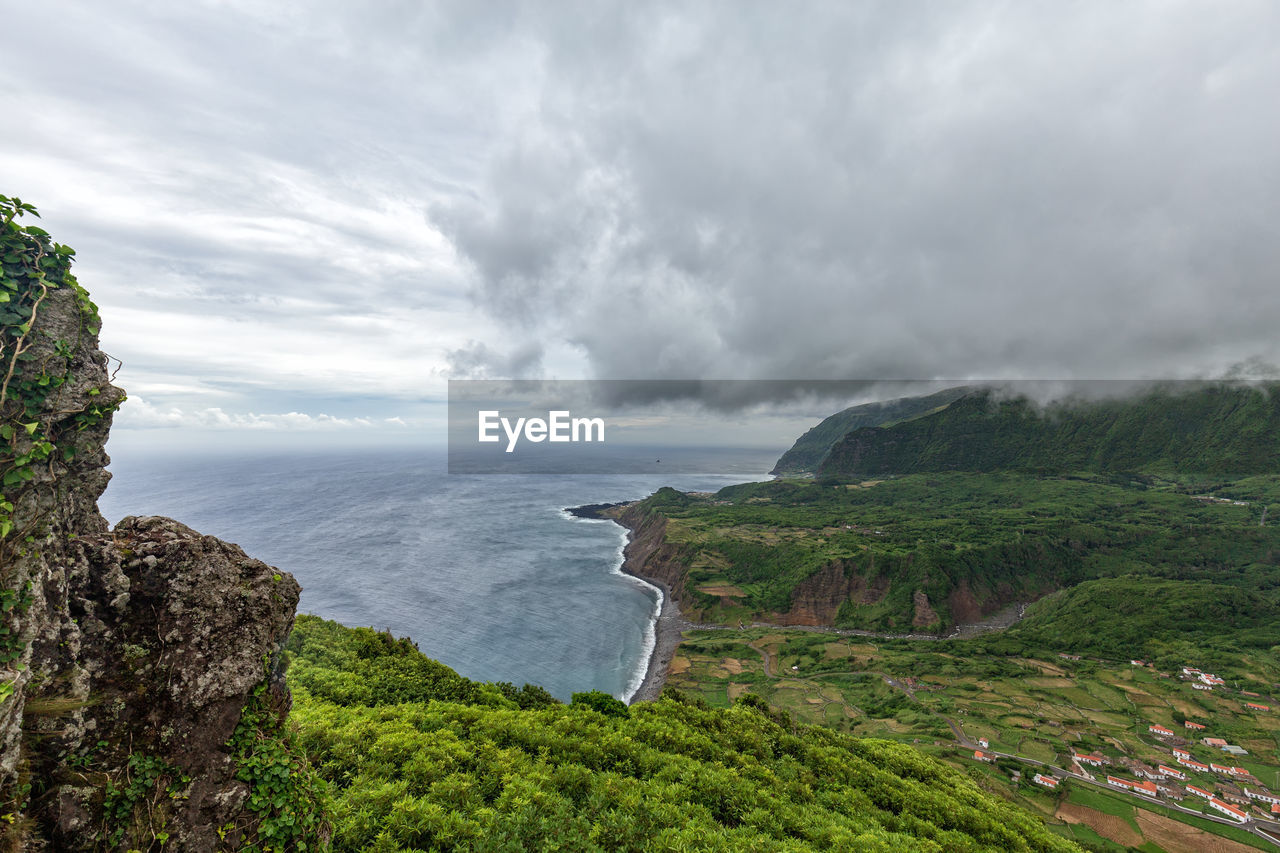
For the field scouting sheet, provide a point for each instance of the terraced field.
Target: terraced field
(936, 696)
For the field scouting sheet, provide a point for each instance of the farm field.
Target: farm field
(944, 698)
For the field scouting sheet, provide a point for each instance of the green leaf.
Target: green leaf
(31, 427)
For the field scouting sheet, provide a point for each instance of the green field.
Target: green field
(1040, 707)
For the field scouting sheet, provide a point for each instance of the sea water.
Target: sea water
(486, 573)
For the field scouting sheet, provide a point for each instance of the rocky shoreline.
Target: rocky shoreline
(670, 625)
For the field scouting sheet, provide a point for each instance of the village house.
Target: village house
(982, 742)
(1160, 731)
(1093, 760)
(1148, 788)
(1192, 764)
(1199, 792)
(1229, 810)
(1136, 662)
(1181, 752)
(1194, 726)
(1199, 686)
(1047, 781)
(979, 755)
(1211, 680)
(1264, 796)
(1215, 742)
(1172, 773)
(1140, 769)
(1066, 656)
(1255, 706)
(1186, 670)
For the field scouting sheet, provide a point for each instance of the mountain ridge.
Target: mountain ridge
(1213, 429)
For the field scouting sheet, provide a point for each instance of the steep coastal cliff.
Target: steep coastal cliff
(142, 687)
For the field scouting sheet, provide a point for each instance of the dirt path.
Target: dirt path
(958, 732)
(768, 660)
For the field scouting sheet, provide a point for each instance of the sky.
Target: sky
(303, 218)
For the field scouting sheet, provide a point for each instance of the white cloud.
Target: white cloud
(137, 413)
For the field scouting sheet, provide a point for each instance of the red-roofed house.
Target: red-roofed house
(1095, 760)
(1194, 726)
(1229, 810)
(1264, 796)
(1181, 752)
(1172, 773)
(1255, 706)
(1219, 768)
(1148, 788)
(1160, 730)
(979, 755)
(1214, 741)
(1199, 792)
(1046, 781)
(1193, 764)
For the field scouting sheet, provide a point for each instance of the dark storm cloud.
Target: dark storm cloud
(333, 198)
(973, 189)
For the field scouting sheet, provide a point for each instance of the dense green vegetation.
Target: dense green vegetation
(812, 447)
(988, 539)
(1231, 430)
(463, 765)
(1153, 619)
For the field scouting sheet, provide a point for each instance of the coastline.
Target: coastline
(668, 634)
(669, 624)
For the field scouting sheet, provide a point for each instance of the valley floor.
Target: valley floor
(1027, 715)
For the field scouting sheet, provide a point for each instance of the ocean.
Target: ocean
(486, 573)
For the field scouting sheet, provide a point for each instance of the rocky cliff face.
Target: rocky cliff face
(131, 654)
(650, 556)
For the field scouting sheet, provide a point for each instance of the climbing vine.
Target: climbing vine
(284, 792)
(37, 427)
(136, 806)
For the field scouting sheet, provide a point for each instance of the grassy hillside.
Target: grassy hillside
(812, 447)
(1216, 430)
(1146, 617)
(417, 758)
(863, 555)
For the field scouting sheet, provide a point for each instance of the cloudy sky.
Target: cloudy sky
(307, 216)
